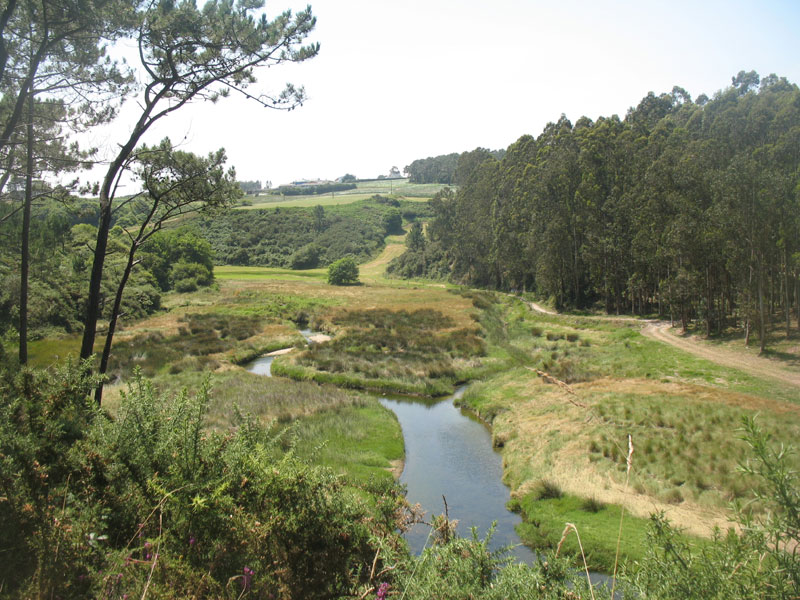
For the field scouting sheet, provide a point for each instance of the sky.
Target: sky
(397, 81)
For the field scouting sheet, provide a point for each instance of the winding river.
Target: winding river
(448, 454)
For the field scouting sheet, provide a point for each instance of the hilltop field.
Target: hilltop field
(364, 190)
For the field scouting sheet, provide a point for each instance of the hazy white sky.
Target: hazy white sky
(396, 81)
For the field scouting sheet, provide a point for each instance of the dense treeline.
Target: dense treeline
(321, 188)
(684, 208)
(305, 238)
(450, 169)
(60, 257)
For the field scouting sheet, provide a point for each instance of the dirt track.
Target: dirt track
(753, 365)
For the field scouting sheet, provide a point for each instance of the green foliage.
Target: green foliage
(250, 187)
(343, 271)
(290, 237)
(313, 190)
(152, 501)
(643, 215)
(393, 222)
(306, 257)
(435, 169)
(429, 263)
(60, 258)
(43, 416)
(415, 240)
(456, 568)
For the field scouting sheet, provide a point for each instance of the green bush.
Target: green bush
(343, 272)
(94, 507)
(306, 257)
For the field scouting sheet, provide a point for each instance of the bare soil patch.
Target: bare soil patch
(753, 365)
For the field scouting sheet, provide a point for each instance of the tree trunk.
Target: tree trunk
(708, 303)
(761, 315)
(787, 304)
(26, 234)
(92, 313)
(112, 323)
(797, 300)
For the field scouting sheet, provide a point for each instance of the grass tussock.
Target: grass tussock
(420, 351)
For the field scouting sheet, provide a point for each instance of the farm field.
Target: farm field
(364, 190)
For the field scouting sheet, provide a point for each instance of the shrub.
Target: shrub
(151, 500)
(592, 505)
(547, 489)
(306, 257)
(343, 272)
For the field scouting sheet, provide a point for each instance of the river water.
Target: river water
(448, 454)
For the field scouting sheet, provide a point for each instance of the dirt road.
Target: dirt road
(752, 365)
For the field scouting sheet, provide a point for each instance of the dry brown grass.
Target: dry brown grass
(546, 436)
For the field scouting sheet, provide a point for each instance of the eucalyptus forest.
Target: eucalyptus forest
(205, 385)
(684, 209)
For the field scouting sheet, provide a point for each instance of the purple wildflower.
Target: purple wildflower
(382, 591)
(247, 578)
(192, 541)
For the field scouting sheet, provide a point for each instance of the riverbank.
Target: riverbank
(682, 413)
(565, 435)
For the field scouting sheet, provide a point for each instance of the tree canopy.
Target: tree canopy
(689, 209)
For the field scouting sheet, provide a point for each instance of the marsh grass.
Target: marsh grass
(322, 424)
(688, 448)
(421, 351)
(362, 440)
(543, 525)
(199, 336)
(49, 351)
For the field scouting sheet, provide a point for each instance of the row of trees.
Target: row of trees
(55, 78)
(450, 169)
(687, 208)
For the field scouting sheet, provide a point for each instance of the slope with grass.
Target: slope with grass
(683, 415)
(400, 188)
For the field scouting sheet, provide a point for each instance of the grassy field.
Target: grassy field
(264, 273)
(682, 413)
(364, 190)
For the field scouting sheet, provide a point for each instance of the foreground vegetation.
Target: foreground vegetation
(153, 503)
